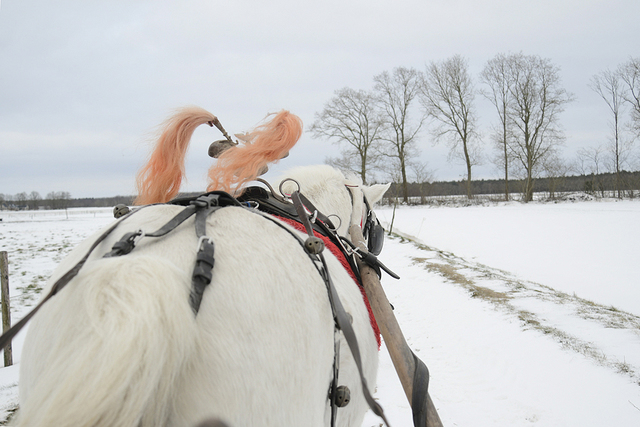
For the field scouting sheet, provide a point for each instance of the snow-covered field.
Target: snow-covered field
(525, 314)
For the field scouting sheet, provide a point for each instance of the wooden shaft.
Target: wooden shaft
(6, 306)
(401, 355)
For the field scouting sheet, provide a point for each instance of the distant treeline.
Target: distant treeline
(626, 184)
(596, 185)
(63, 202)
(101, 202)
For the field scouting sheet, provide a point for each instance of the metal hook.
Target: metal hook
(215, 122)
(273, 193)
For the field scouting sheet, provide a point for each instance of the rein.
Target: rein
(314, 246)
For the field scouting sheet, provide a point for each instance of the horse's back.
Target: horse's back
(267, 332)
(260, 351)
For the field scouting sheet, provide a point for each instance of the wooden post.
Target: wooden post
(402, 357)
(6, 306)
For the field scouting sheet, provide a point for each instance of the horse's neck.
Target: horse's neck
(336, 202)
(325, 187)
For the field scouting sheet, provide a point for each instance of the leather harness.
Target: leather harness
(266, 204)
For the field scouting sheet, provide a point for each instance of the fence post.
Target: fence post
(6, 306)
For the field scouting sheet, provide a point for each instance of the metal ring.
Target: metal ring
(282, 183)
(339, 219)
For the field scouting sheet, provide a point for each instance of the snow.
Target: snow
(525, 314)
(582, 247)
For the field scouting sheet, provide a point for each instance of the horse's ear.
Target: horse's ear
(374, 193)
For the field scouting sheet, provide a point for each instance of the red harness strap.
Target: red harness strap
(343, 260)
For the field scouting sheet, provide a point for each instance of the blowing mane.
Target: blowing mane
(158, 181)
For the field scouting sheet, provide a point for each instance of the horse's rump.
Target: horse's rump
(259, 352)
(120, 344)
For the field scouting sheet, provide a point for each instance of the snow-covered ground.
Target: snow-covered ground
(525, 314)
(36, 241)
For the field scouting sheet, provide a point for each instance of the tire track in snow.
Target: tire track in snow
(579, 325)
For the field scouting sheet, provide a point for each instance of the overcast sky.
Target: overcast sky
(84, 84)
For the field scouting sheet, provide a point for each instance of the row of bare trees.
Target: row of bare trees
(378, 129)
(620, 90)
(528, 96)
(33, 200)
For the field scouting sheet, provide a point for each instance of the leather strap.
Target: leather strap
(340, 315)
(202, 272)
(6, 338)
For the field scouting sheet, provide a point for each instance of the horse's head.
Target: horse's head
(345, 200)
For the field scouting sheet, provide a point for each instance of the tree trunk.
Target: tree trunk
(405, 187)
(506, 158)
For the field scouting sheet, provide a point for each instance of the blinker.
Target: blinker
(373, 232)
(375, 238)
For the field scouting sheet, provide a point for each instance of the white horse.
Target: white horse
(121, 346)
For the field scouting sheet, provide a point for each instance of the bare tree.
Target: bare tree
(496, 75)
(609, 86)
(538, 100)
(448, 93)
(350, 118)
(424, 177)
(556, 171)
(588, 163)
(21, 200)
(630, 74)
(396, 94)
(34, 200)
(58, 199)
(65, 199)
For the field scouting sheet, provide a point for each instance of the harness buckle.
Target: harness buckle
(139, 235)
(205, 201)
(201, 241)
(125, 244)
(374, 262)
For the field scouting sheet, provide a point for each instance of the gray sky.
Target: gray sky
(84, 84)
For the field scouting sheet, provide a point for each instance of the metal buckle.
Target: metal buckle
(138, 236)
(201, 241)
